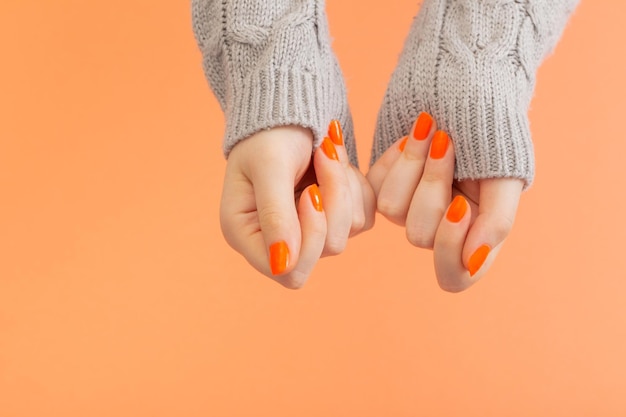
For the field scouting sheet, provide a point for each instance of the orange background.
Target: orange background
(119, 297)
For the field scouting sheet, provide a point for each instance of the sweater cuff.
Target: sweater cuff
(271, 67)
(274, 96)
(271, 97)
(485, 112)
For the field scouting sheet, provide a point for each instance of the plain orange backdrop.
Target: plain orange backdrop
(119, 297)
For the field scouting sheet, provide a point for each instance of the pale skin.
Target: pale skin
(266, 199)
(415, 191)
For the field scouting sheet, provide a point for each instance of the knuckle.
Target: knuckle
(358, 221)
(420, 239)
(271, 218)
(502, 225)
(369, 223)
(391, 210)
(335, 245)
(420, 234)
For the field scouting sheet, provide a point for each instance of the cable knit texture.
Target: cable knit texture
(270, 63)
(472, 65)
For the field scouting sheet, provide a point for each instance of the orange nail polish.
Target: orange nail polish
(403, 143)
(316, 197)
(439, 145)
(478, 258)
(335, 132)
(423, 125)
(329, 149)
(457, 209)
(279, 257)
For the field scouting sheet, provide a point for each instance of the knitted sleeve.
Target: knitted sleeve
(472, 65)
(270, 63)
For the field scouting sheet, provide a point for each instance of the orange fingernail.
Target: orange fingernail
(403, 143)
(279, 257)
(423, 125)
(329, 149)
(316, 197)
(478, 258)
(335, 132)
(457, 209)
(439, 145)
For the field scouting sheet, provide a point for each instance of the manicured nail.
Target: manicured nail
(403, 143)
(279, 257)
(335, 132)
(478, 258)
(457, 209)
(439, 145)
(329, 149)
(423, 125)
(316, 197)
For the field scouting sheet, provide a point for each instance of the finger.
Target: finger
(377, 172)
(280, 226)
(335, 190)
(369, 200)
(499, 199)
(451, 273)
(358, 213)
(402, 179)
(239, 220)
(335, 133)
(358, 210)
(313, 223)
(433, 194)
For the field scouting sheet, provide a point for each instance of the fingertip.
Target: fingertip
(423, 126)
(457, 209)
(477, 259)
(439, 145)
(279, 257)
(335, 132)
(328, 147)
(316, 197)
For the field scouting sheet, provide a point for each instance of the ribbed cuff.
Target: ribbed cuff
(485, 112)
(274, 97)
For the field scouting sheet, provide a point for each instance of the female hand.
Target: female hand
(464, 222)
(283, 210)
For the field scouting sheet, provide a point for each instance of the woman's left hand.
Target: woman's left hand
(464, 222)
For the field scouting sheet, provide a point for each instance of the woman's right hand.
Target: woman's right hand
(283, 210)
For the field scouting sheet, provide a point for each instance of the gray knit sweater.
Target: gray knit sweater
(469, 63)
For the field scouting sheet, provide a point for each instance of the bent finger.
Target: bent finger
(499, 199)
(451, 274)
(313, 223)
(368, 200)
(278, 218)
(335, 190)
(377, 172)
(398, 187)
(433, 194)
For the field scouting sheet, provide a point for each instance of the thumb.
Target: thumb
(277, 215)
(499, 198)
